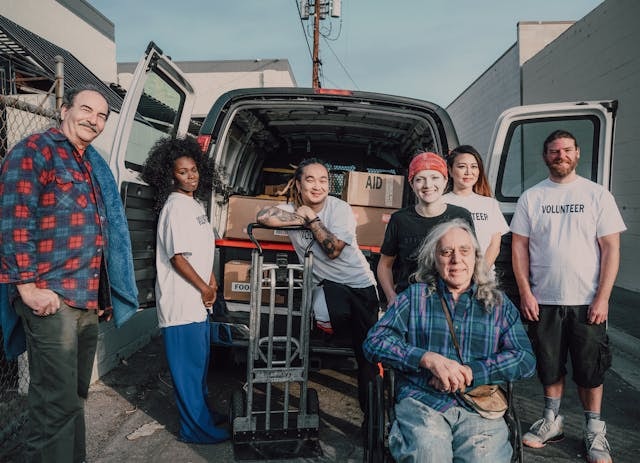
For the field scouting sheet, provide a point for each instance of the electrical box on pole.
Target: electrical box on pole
(304, 9)
(335, 8)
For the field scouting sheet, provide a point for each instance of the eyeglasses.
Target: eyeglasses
(449, 252)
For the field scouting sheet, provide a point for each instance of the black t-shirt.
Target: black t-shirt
(405, 232)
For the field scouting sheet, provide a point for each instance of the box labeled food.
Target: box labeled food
(371, 224)
(237, 283)
(242, 211)
(370, 189)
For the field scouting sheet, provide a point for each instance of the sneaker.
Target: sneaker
(546, 429)
(595, 441)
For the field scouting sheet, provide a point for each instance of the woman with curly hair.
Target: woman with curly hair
(186, 286)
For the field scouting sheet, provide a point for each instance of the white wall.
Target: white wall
(52, 21)
(533, 36)
(599, 58)
(209, 86)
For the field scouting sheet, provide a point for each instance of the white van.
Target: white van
(257, 135)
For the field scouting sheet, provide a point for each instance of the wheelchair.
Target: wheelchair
(380, 406)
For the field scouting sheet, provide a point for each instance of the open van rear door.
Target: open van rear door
(158, 103)
(515, 163)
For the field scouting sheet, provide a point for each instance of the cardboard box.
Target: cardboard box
(371, 224)
(274, 190)
(242, 211)
(378, 190)
(237, 283)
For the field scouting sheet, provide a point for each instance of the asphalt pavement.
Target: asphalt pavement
(131, 414)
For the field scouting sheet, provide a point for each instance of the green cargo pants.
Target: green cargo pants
(61, 349)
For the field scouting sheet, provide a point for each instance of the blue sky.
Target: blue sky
(428, 49)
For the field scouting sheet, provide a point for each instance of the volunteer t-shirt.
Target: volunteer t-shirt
(485, 211)
(563, 223)
(183, 228)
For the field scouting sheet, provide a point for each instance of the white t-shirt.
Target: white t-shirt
(563, 223)
(485, 211)
(183, 228)
(350, 267)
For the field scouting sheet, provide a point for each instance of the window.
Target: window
(522, 165)
(157, 116)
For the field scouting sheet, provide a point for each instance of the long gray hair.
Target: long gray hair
(487, 286)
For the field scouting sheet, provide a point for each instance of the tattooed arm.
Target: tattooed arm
(276, 217)
(330, 243)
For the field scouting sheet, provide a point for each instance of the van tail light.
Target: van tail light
(204, 141)
(332, 91)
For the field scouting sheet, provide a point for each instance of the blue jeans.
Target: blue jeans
(421, 434)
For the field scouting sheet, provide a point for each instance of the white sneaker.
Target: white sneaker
(595, 441)
(546, 429)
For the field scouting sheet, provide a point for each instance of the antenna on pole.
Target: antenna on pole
(320, 10)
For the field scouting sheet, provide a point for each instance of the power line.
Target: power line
(342, 65)
(304, 32)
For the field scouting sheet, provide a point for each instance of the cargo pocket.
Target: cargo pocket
(604, 357)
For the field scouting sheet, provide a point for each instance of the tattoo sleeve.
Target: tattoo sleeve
(276, 217)
(329, 242)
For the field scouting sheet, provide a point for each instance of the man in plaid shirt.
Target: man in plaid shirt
(433, 422)
(52, 242)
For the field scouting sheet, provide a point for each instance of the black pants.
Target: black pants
(353, 311)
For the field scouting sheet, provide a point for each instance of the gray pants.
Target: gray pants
(61, 350)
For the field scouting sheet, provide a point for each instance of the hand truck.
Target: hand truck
(276, 415)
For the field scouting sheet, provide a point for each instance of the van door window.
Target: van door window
(157, 116)
(522, 165)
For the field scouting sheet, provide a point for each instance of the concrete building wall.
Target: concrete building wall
(475, 111)
(71, 24)
(533, 36)
(599, 58)
(210, 86)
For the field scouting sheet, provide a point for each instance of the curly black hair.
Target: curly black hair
(157, 170)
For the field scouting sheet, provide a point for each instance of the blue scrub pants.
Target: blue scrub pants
(187, 348)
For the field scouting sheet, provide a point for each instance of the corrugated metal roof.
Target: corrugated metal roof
(31, 52)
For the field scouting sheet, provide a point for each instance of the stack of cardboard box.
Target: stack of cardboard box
(372, 196)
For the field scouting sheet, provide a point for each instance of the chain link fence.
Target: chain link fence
(18, 119)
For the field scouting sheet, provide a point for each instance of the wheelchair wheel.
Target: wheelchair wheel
(374, 451)
(515, 431)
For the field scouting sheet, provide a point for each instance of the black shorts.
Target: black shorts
(564, 329)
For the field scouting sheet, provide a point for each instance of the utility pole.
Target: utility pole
(315, 77)
(320, 8)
